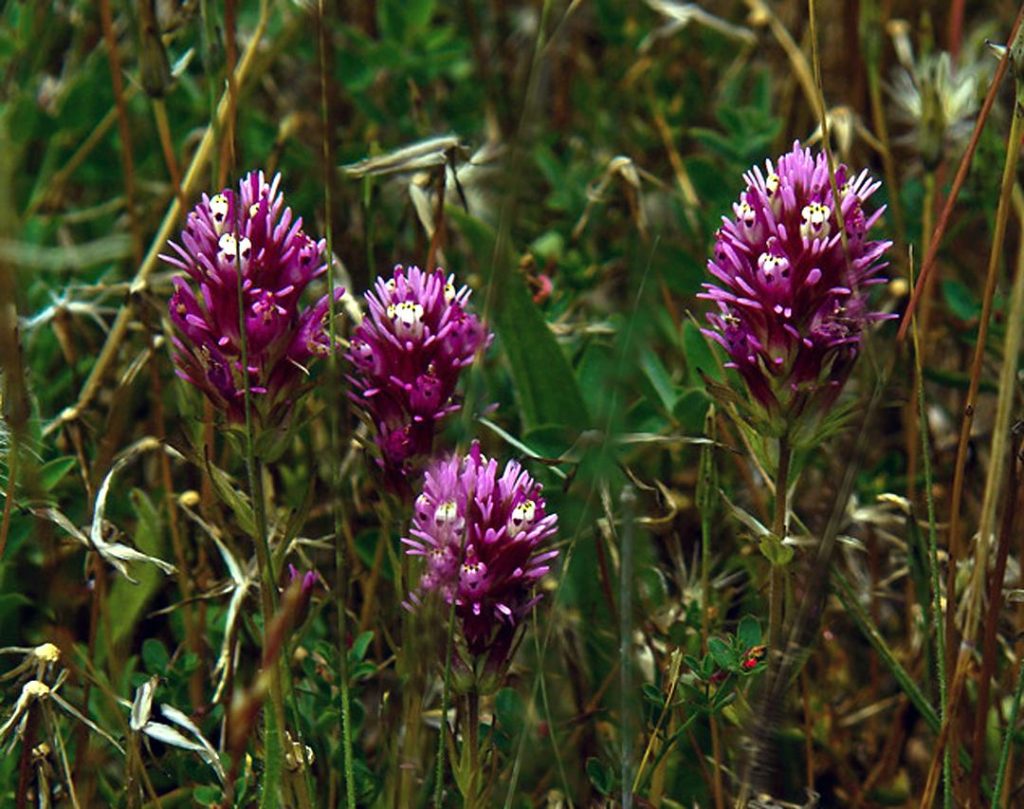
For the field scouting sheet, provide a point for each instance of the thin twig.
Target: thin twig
(140, 282)
(124, 127)
(955, 550)
(958, 181)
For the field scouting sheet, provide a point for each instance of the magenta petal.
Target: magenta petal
(486, 533)
(790, 295)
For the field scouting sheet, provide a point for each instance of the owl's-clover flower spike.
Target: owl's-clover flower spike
(406, 358)
(484, 536)
(791, 285)
(247, 236)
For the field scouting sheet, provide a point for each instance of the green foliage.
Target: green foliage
(599, 146)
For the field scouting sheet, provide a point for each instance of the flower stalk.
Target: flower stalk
(777, 592)
(482, 536)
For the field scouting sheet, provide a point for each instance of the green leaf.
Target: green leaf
(271, 443)
(722, 698)
(545, 383)
(653, 695)
(707, 666)
(699, 356)
(527, 449)
(961, 301)
(233, 498)
(207, 795)
(655, 373)
(601, 775)
(52, 472)
(417, 13)
(154, 656)
(128, 600)
(775, 551)
(360, 645)
(9, 602)
(509, 710)
(693, 664)
(690, 409)
(724, 655)
(550, 245)
(748, 634)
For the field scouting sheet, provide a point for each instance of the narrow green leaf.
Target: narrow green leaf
(233, 498)
(360, 645)
(600, 775)
(509, 710)
(699, 356)
(659, 378)
(53, 472)
(128, 600)
(546, 386)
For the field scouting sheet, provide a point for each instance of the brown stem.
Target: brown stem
(163, 129)
(1002, 214)
(192, 635)
(958, 181)
(227, 154)
(955, 32)
(28, 741)
(995, 605)
(606, 583)
(437, 238)
(124, 128)
(12, 477)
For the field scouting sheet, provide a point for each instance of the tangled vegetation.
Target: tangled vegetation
(531, 403)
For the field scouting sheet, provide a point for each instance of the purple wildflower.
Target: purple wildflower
(791, 296)
(248, 231)
(482, 537)
(307, 580)
(407, 355)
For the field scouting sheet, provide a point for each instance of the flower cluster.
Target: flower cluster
(407, 356)
(482, 537)
(247, 237)
(792, 283)
(938, 102)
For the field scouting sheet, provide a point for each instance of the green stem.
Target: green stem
(341, 575)
(707, 501)
(777, 592)
(707, 493)
(849, 599)
(974, 593)
(341, 567)
(12, 482)
(273, 720)
(1004, 752)
(472, 736)
(449, 649)
(626, 583)
(933, 564)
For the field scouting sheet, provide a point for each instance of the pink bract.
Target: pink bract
(483, 537)
(407, 356)
(791, 296)
(251, 232)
